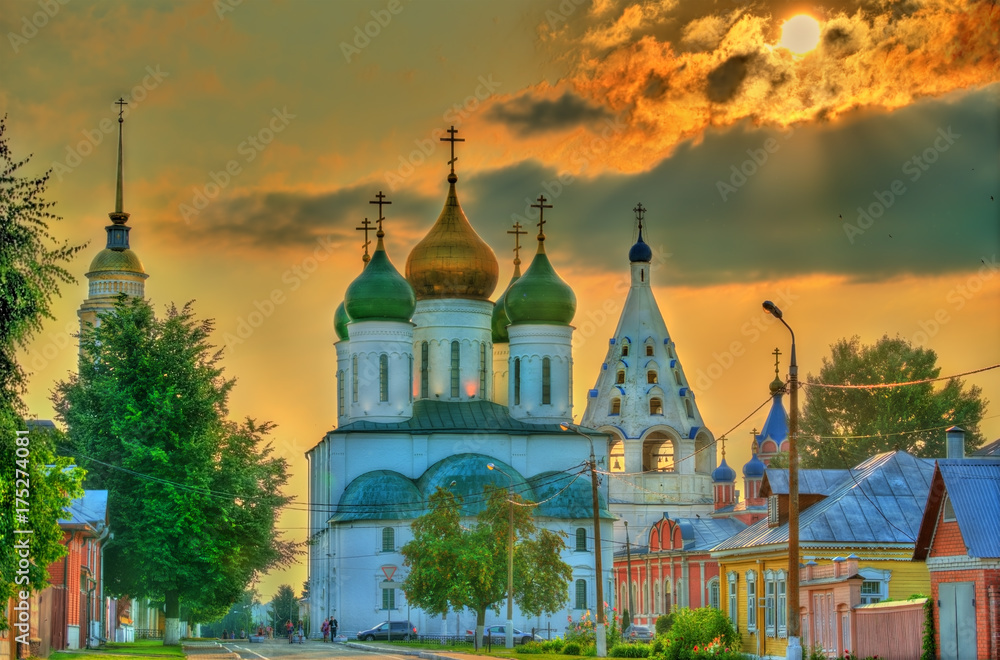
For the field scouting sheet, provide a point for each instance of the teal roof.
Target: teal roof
(470, 475)
(380, 292)
(479, 416)
(500, 320)
(566, 495)
(379, 495)
(340, 321)
(540, 295)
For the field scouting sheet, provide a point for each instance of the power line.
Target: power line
(879, 386)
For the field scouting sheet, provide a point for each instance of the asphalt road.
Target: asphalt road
(311, 650)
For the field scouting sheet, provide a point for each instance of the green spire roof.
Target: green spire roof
(500, 319)
(340, 321)
(380, 292)
(540, 296)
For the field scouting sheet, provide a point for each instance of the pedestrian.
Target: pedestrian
(270, 632)
(290, 629)
(301, 631)
(225, 633)
(333, 626)
(325, 629)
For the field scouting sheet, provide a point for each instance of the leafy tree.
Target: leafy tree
(30, 275)
(193, 496)
(866, 422)
(454, 566)
(284, 608)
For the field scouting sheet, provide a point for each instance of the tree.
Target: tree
(840, 428)
(454, 566)
(31, 473)
(284, 608)
(193, 497)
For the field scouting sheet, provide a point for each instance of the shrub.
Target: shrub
(553, 645)
(663, 623)
(930, 649)
(656, 647)
(701, 628)
(530, 647)
(571, 648)
(629, 651)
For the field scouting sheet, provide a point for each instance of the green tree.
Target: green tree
(31, 473)
(284, 608)
(452, 566)
(193, 497)
(840, 428)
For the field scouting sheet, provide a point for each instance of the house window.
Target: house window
(620, 377)
(649, 350)
(651, 377)
(546, 381)
(581, 594)
(354, 379)
(733, 598)
(656, 406)
(949, 511)
(770, 592)
(772, 511)
(713, 593)
(455, 364)
(383, 377)
(388, 539)
(482, 370)
(517, 381)
(616, 406)
(388, 599)
(751, 601)
(581, 539)
(424, 369)
(783, 605)
(871, 592)
(689, 407)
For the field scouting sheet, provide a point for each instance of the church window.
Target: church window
(546, 381)
(388, 599)
(656, 406)
(651, 377)
(340, 392)
(670, 351)
(616, 406)
(649, 350)
(751, 601)
(677, 377)
(388, 539)
(642, 274)
(713, 593)
(354, 379)
(658, 452)
(616, 456)
(733, 598)
(689, 407)
(383, 377)
(620, 377)
(482, 370)
(625, 348)
(424, 369)
(581, 594)
(517, 381)
(581, 539)
(456, 355)
(410, 380)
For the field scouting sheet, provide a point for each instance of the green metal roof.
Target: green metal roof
(565, 495)
(379, 495)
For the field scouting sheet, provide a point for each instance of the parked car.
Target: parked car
(403, 630)
(498, 635)
(638, 634)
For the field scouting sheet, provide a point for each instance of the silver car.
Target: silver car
(638, 634)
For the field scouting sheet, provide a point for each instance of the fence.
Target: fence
(891, 631)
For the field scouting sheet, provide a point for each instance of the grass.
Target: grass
(149, 648)
(496, 653)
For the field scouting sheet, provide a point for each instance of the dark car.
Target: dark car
(638, 634)
(403, 630)
(498, 635)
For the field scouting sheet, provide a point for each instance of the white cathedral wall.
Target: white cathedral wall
(501, 360)
(531, 344)
(370, 340)
(439, 322)
(343, 381)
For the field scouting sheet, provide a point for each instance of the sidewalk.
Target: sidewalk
(418, 653)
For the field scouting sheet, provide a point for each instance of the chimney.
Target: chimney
(955, 442)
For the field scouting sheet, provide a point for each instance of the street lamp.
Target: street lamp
(794, 648)
(628, 564)
(509, 632)
(601, 639)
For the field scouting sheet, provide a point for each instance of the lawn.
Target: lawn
(150, 648)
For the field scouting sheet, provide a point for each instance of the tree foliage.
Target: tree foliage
(30, 275)
(452, 566)
(284, 608)
(193, 497)
(842, 427)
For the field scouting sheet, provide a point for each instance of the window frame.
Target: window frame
(656, 405)
(715, 593)
(581, 539)
(770, 598)
(456, 365)
(424, 369)
(546, 381)
(517, 381)
(751, 601)
(383, 377)
(388, 540)
(580, 599)
(734, 600)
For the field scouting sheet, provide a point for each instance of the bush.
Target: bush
(657, 646)
(706, 628)
(663, 623)
(553, 645)
(530, 647)
(571, 648)
(629, 651)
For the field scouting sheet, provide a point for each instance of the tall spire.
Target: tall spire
(118, 216)
(640, 252)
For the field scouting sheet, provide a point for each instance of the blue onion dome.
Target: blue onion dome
(500, 319)
(540, 296)
(340, 321)
(380, 292)
(723, 473)
(640, 252)
(754, 468)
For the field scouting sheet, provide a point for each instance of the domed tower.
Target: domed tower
(540, 306)
(379, 304)
(341, 319)
(773, 437)
(116, 269)
(453, 273)
(724, 482)
(753, 475)
(499, 323)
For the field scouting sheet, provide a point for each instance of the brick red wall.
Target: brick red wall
(983, 579)
(948, 540)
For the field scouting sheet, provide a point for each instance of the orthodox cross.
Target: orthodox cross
(639, 212)
(541, 206)
(366, 226)
(121, 103)
(380, 200)
(723, 441)
(754, 448)
(451, 138)
(518, 233)
(776, 353)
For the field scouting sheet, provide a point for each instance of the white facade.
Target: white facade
(540, 374)
(453, 349)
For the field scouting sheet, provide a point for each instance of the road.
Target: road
(311, 650)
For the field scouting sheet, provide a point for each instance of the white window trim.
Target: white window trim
(734, 607)
(782, 595)
(876, 575)
(751, 601)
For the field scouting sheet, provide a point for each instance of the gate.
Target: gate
(957, 614)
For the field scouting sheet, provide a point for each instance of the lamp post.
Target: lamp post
(794, 648)
(601, 638)
(509, 632)
(628, 581)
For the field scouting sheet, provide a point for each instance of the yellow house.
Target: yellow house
(857, 530)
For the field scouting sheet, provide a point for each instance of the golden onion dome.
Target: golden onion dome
(116, 260)
(452, 261)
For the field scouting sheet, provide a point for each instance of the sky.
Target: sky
(853, 181)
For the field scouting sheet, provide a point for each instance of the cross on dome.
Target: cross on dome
(380, 200)
(776, 353)
(451, 138)
(639, 212)
(518, 233)
(366, 226)
(541, 206)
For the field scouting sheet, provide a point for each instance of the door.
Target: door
(957, 612)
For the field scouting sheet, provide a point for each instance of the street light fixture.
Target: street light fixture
(509, 631)
(601, 639)
(794, 648)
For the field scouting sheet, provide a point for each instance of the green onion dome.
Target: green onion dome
(540, 296)
(340, 321)
(500, 319)
(380, 292)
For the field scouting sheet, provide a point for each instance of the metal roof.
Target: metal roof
(991, 449)
(457, 417)
(698, 534)
(974, 489)
(90, 509)
(811, 482)
(880, 501)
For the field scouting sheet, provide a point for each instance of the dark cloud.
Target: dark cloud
(527, 115)
(725, 80)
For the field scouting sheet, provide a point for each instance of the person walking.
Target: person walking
(301, 631)
(290, 629)
(325, 629)
(333, 626)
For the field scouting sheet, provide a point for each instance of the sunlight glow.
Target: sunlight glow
(800, 34)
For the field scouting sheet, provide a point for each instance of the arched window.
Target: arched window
(409, 382)
(656, 596)
(713, 593)
(340, 392)
(649, 350)
(581, 539)
(625, 348)
(581, 594)
(424, 369)
(482, 371)
(689, 407)
(616, 456)
(677, 377)
(651, 377)
(354, 379)
(456, 355)
(658, 452)
(546, 381)
(616, 406)
(517, 381)
(620, 377)
(656, 406)
(383, 377)
(388, 539)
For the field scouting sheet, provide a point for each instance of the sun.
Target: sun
(800, 34)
